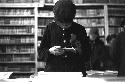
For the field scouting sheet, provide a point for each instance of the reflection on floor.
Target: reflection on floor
(108, 76)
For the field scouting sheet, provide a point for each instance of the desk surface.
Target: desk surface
(68, 76)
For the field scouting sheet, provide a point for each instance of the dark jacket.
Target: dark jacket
(119, 53)
(55, 36)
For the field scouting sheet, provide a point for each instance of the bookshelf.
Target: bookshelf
(91, 16)
(18, 52)
(115, 17)
(45, 16)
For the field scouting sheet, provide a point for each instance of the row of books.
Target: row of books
(23, 58)
(115, 21)
(17, 68)
(17, 21)
(101, 31)
(17, 49)
(89, 12)
(24, 12)
(116, 11)
(16, 30)
(45, 13)
(90, 22)
(19, 1)
(41, 31)
(115, 30)
(16, 40)
(85, 22)
(44, 21)
(9, 58)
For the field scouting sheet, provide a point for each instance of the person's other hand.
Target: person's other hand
(56, 51)
(78, 44)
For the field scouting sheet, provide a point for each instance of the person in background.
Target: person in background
(64, 46)
(97, 50)
(119, 51)
(109, 65)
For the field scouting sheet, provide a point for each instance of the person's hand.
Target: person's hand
(78, 44)
(56, 50)
(73, 38)
(78, 47)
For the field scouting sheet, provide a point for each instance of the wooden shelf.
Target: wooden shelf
(91, 4)
(23, 53)
(9, 20)
(17, 34)
(113, 15)
(114, 26)
(19, 5)
(122, 5)
(17, 62)
(16, 16)
(40, 16)
(14, 25)
(85, 4)
(88, 17)
(99, 26)
(42, 26)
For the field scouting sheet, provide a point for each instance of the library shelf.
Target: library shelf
(42, 26)
(50, 17)
(86, 4)
(16, 16)
(18, 5)
(114, 26)
(17, 62)
(80, 5)
(117, 16)
(15, 25)
(92, 4)
(21, 53)
(49, 4)
(18, 34)
(17, 44)
(97, 26)
(117, 5)
(89, 17)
